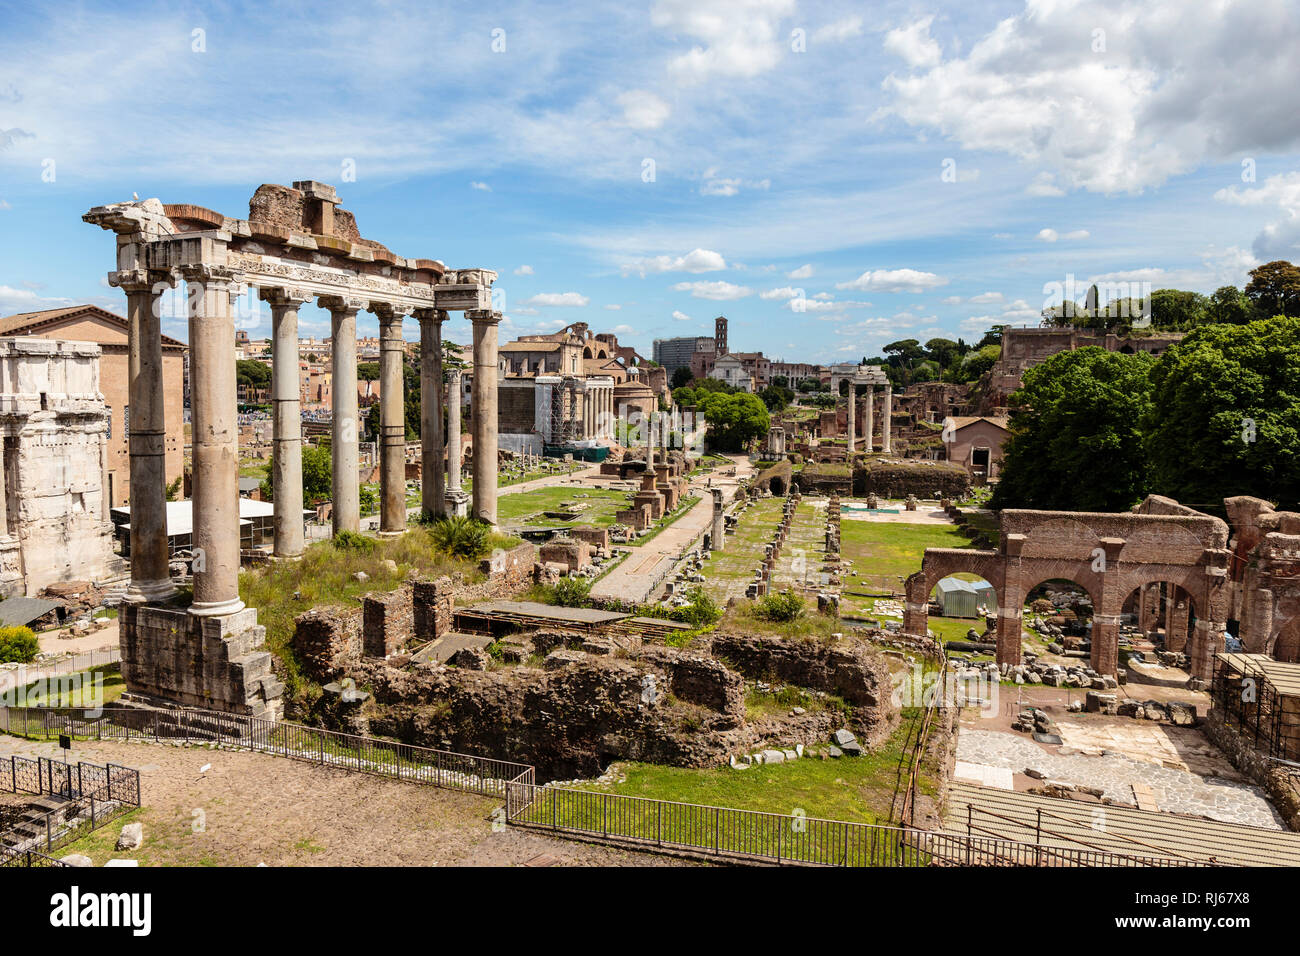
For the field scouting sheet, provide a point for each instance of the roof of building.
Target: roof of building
(30, 323)
(962, 421)
(180, 514)
(1129, 831)
(953, 585)
(1284, 676)
(17, 611)
(531, 346)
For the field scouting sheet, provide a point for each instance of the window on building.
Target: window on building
(979, 457)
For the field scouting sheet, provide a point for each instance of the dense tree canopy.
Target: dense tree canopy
(317, 472)
(734, 420)
(1076, 441)
(1225, 414)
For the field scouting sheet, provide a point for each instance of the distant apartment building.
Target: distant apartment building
(795, 372)
(676, 353)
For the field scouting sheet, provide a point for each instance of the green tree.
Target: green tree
(1076, 441)
(1228, 305)
(1225, 414)
(18, 645)
(776, 397)
(317, 475)
(253, 373)
(733, 420)
(1274, 288)
(681, 376)
(1177, 309)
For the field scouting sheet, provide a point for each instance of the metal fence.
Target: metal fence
(93, 795)
(755, 836)
(441, 768)
(24, 674)
(710, 831)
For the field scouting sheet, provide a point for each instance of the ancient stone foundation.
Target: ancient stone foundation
(211, 662)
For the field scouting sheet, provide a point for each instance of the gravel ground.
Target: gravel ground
(246, 809)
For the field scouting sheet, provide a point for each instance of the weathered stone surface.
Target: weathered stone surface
(132, 837)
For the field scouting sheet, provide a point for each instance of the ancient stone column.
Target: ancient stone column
(718, 536)
(286, 424)
(1105, 643)
(853, 402)
(433, 493)
(392, 421)
(455, 497)
(343, 432)
(886, 418)
(147, 431)
(650, 441)
(484, 411)
(869, 422)
(215, 422)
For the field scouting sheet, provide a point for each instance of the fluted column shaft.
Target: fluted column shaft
(392, 423)
(286, 424)
(343, 433)
(484, 411)
(454, 388)
(887, 416)
(433, 498)
(853, 402)
(215, 426)
(146, 435)
(869, 425)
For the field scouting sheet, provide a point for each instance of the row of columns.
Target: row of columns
(598, 411)
(869, 431)
(215, 427)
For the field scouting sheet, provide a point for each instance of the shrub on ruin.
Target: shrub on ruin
(461, 536)
(18, 645)
(352, 541)
(700, 611)
(780, 608)
(571, 592)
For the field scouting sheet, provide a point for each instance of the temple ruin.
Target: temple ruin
(295, 246)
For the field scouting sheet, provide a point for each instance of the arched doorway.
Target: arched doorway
(1287, 646)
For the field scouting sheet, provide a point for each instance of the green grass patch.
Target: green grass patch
(88, 688)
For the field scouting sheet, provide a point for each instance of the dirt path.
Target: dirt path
(246, 809)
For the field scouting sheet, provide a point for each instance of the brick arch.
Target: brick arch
(1061, 539)
(1162, 545)
(1090, 585)
(1286, 646)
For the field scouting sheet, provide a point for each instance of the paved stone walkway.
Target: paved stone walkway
(1175, 791)
(632, 580)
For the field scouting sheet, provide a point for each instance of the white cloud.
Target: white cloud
(894, 280)
(697, 260)
(838, 31)
(1044, 184)
(718, 291)
(551, 299)
(785, 292)
(613, 307)
(803, 272)
(25, 300)
(984, 298)
(1051, 235)
(482, 187)
(681, 316)
(643, 110)
(715, 185)
(739, 38)
(524, 271)
(914, 44)
(1279, 239)
(1178, 82)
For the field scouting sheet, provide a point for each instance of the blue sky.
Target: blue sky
(914, 169)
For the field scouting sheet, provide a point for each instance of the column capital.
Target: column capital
(343, 303)
(208, 275)
(388, 312)
(285, 296)
(454, 373)
(483, 316)
(137, 280)
(431, 315)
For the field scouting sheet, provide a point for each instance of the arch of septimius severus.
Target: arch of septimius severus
(295, 246)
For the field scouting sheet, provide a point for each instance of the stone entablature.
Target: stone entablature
(295, 247)
(53, 517)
